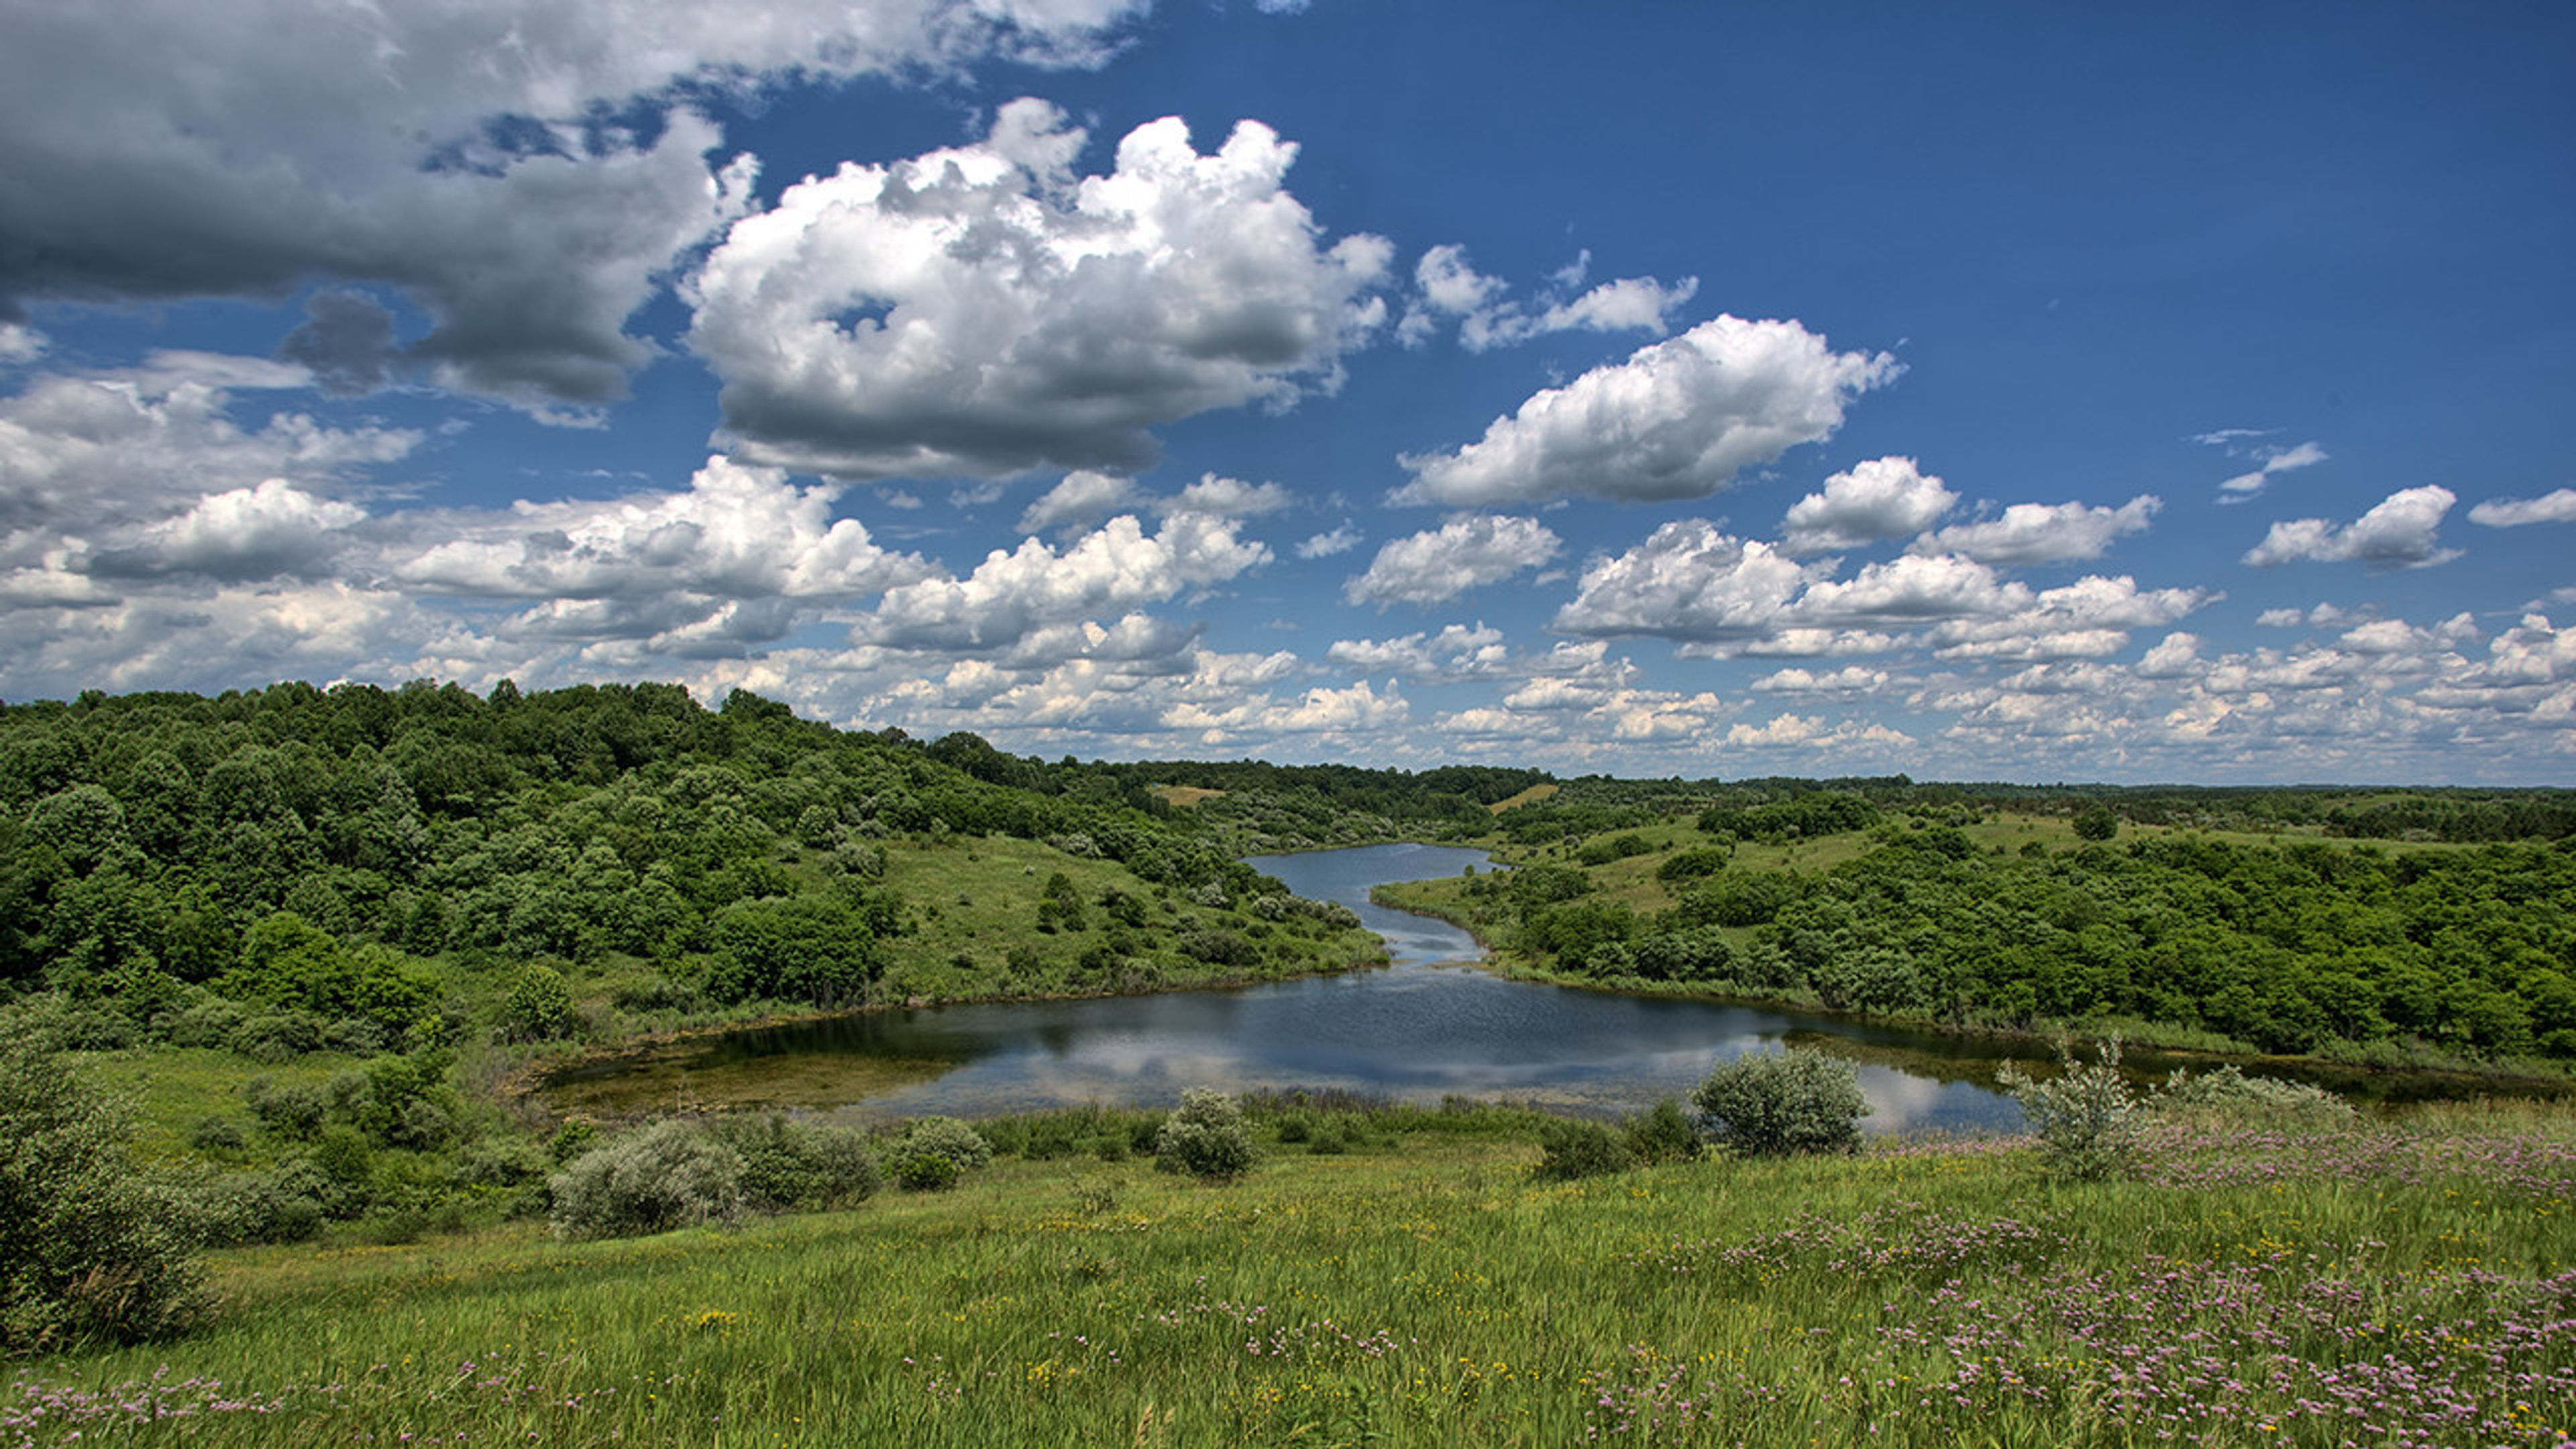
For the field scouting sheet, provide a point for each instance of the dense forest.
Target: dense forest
(1901, 902)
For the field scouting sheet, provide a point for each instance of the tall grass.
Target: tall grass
(2400, 1281)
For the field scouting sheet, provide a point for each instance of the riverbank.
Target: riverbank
(2147, 1046)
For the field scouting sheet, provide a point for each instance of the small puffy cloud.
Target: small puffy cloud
(2040, 533)
(1687, 582)
(2555, 507)
(1011, 596)
(1330, 543)
(1465, 553)
(1228, 498)
(2397, 533)
(1083, 499)
(1910, 590)
(20, 344)
(1880, 499)
(1850, 679)
(1456, 651)
(1678, 419)
(981, 310)
(1447, 286)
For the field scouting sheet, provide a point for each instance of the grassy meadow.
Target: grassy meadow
(2390, 1280)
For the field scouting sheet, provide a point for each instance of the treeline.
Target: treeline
(2300, 947)
(302, 855)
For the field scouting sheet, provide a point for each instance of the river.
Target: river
(1429, 1025)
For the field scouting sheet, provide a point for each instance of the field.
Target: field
(2390, 1281)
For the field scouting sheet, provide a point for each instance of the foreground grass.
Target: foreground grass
(2399, 1281)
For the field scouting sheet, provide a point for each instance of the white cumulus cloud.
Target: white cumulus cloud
(2397, 533)
(982, 310)
(1678, 419)
(2558, 506)
(1465, 553)
(1880, 499)
(2043, 533)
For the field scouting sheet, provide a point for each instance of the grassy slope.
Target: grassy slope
(1425, 1291)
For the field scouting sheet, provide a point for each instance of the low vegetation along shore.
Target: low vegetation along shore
(275, 968)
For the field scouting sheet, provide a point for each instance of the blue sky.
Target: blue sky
(1983, 391)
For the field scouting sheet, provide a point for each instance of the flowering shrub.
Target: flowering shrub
(2082, 1116)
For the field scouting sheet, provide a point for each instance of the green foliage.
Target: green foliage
(2096, 822)
(2085, 1117)
(1662, 1133)
(2227, 1091)
(1570, 1149)
(917, 1171)
(88, 1252)
(1205, 1137)
(1693, 864)
(539, 1005)
(1776, 1103)
(948, 1138)
(792, 1166)
(673, 1174)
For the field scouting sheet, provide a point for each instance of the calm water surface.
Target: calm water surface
(1429, 1025)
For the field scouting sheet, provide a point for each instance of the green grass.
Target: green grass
(1423, 1289)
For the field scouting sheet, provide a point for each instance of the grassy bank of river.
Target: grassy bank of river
(2401, 1281)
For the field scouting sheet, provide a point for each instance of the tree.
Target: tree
(2096, 822)
(88, 1251)
(1777, 1103)
(1205, 1137)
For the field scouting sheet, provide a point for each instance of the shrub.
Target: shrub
(2229, 1091)
(1773, 1103)
(539, 1006)
(790, 1166)
(1569, 1150)
(949, 1138)
(2083, 1116)
(1660, 1134)
(87, 1250)
(918, 1171)
(670, 1175)
(1205, 1137)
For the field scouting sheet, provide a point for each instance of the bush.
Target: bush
(1205, 1137)
(1569, 1150)
(87, 1250)
(670, 1175)
(948, 1138)
(539, 1004)
(925, 1172)
(2225, 1090)
(1660, 1134)
(1773, 1103)
(2083, 1116)
(799, 1166)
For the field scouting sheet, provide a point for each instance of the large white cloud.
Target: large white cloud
(982, 310)
(2399, 532)
(2043, 533)
(170, 149)
(1465, 553)
(1880, 499)
(1678, 419)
